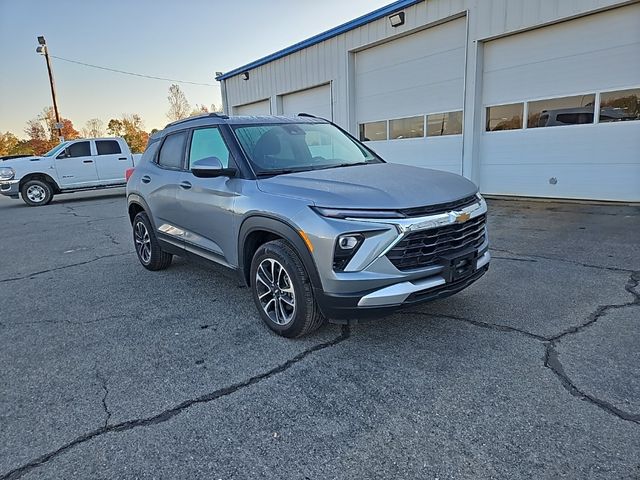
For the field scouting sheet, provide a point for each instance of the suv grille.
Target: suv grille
(425, 248)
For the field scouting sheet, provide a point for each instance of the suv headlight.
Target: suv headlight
(7, 173)
(356, 213)
(346, 247)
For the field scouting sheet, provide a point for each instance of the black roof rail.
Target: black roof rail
(308, 115)
(196, 117)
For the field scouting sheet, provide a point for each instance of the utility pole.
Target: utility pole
(43, 50)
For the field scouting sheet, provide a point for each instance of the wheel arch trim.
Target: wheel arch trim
(283, 229)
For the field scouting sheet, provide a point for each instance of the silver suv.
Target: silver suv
(316, 224)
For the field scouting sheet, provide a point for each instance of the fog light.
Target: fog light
(347, 242)
(346, 248)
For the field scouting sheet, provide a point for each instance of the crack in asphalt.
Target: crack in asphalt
(103, 384)
(63, 267)
(551, 359)
(552, 362)
(554, 259)
(174, 411)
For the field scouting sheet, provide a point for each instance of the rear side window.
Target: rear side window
(79, 149)
(208, 142)
(172, 151)
(108, 147)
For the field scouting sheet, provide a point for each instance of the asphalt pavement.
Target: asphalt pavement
(110, 371)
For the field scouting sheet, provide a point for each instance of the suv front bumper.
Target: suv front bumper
(10, 188)
(384, 301)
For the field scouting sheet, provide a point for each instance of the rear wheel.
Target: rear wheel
(148, 249)
(36, 193)
(282, 291)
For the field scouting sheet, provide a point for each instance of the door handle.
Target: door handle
(145, 179)
(87, 161)
(122, 158)
(185, 185)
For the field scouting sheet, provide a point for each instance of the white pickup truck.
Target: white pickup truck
(83, 164)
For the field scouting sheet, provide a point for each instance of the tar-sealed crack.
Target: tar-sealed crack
(551, 359)
(171, 412)
(63, 267)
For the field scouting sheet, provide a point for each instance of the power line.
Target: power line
(132, 73)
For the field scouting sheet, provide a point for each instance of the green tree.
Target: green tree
(115, 127)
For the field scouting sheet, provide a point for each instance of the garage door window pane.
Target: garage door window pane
(557, 112)
(412, 127)
(505, 117)
(439, 124)
(620, 106)
(370, 132)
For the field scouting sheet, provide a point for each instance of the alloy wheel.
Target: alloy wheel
(275, 291)
(143, 242)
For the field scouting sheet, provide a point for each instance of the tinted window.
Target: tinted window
(208, 142)
(370, 132)
(412, 127)
(449, 123)
(108, 147)
(172, 150)
(578, 108)
(79, 149)
(505, 117)
(620, 106)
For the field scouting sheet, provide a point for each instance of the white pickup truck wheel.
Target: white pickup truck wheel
(36, 193)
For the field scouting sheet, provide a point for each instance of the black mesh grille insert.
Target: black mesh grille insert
(425, 248)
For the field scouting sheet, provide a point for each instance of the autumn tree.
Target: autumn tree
(93, 128)
(48, 117)
(8, 143)
(131, 128)
(179, 107)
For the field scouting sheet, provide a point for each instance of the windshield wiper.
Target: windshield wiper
(281, 171)
(338, 165)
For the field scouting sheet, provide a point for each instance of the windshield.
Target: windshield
(55, 149)
(297, 147)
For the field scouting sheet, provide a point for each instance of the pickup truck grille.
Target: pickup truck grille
(425, 248)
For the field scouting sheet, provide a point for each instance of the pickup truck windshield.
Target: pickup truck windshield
(297, 147)
(55, 149)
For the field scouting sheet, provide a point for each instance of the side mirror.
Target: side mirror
(211, 167)
(64, 154)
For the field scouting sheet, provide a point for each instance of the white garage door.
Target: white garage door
(316, 101)
(262, 107)
(562, 107)
(409, 97)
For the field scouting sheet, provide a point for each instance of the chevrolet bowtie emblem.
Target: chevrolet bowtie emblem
(462, 217)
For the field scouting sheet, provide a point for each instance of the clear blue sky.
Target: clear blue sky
(187, 40)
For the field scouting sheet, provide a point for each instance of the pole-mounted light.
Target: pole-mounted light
(43, 50)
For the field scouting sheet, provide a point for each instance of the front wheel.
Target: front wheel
(148, 249)
(36, 193)
(282, 291)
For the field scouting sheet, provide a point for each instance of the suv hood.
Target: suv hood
(10, 162)
(373, 186)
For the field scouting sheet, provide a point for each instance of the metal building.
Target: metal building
(536, 98)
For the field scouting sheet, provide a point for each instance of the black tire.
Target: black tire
(36, 193)
(148, 250)
(305, 316)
